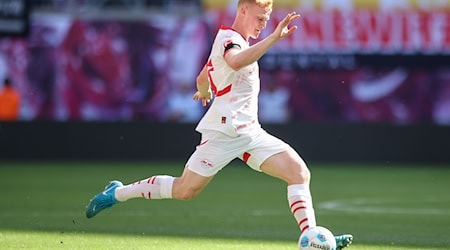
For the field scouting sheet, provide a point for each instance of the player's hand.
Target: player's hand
(283, 30)
(204, 97)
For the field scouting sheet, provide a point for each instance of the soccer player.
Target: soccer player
(230, 128)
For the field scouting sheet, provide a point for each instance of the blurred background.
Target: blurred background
(360, 80)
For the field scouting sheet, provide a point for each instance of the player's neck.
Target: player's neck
(239, 27)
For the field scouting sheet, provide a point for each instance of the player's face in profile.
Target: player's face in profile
(257, 19)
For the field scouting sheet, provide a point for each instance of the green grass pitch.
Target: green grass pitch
(387, 206)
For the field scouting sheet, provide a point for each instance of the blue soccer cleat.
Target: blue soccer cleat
(103, 200)
(343, 241)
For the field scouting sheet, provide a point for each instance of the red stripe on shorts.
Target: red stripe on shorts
(246, 156)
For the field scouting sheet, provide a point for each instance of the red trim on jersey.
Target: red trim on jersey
(210, 67)
(216, 92)
(224, 27)
(224, 91)
(246, 156)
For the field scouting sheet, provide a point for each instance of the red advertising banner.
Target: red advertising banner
(371, 32)
(362, 27)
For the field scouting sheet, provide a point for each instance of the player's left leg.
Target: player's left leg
(289, 167)
(275, 158)
(343, 241)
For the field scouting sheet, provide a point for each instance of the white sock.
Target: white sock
(300, 202)
(155, 187)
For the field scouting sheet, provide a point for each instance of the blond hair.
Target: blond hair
(261, 3)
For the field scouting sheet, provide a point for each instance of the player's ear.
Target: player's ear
(243, 9)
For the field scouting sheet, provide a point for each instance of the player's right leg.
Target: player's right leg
(203, 164)
(155, 187)
(185, 187)
(214, 153)
(189, 185)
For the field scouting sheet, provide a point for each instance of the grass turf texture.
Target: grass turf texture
(384, 207)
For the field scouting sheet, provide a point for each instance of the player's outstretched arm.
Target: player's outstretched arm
(203, 89)
(238, 59)
(283, 30)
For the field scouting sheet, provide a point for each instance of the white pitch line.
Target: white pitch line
(376, 207)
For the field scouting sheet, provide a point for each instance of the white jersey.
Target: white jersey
(234, 110)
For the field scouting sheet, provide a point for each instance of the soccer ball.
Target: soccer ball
(317, 238)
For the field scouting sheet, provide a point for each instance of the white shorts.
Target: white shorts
(216, 150)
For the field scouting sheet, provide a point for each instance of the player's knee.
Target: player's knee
(305, 174)
(298, 175)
